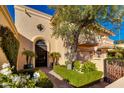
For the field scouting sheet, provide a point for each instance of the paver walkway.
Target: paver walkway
(56, 82)
(100, 84)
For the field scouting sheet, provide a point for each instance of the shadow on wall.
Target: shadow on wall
(42, 55)
(24, 44)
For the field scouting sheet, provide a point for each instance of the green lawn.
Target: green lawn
(77, 79)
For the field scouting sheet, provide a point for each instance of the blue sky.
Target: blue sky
(45, 9)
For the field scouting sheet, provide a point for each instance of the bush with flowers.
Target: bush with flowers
(20, 80)
(43, 80)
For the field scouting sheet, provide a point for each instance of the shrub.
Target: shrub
(88, 67)
(77, 79)
(27, 72)
(118, 55)
(16, 81)
(8, 79)
(23, 79)
(77, 65)
(43, 81)
(42, 74)
(10, 45)
(29, 55)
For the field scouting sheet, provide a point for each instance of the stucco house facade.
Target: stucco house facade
(35, 34)
(6, 20)
(33, 29)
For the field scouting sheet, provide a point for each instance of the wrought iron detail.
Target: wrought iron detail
(40, 27)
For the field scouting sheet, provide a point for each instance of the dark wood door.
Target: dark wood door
(41, 52)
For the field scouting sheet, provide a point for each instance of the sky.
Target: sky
(47, 10)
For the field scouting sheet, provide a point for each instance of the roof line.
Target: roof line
(33, 11)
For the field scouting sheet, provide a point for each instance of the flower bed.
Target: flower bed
(77, 79)
(24, 79)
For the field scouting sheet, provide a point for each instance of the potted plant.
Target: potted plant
(55, 57)
(29, 55)
(58, 55)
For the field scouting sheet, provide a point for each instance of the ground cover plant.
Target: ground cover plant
(77, 79)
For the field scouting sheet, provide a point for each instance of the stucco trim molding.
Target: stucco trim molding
(5, 12)
(33, 11)
(38, 37)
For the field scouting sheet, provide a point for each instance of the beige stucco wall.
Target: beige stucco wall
(120, 45)
(24, 44)
(6, 20)
(27, 27)
(3, 20)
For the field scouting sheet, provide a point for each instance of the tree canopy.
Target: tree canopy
(70, 22)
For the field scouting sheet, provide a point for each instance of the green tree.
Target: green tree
(71, 22)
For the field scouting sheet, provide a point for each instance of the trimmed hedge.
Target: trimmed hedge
(88, 67)
(116, 53)
(111, 61)
(10, 44)
(77, 79)
(77, 65)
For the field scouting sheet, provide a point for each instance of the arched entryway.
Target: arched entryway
(41, 53)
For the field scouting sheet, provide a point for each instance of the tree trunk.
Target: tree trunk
(75, 45)
(54, 61)
(27, 59)
(57, 59)
(30, 60)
